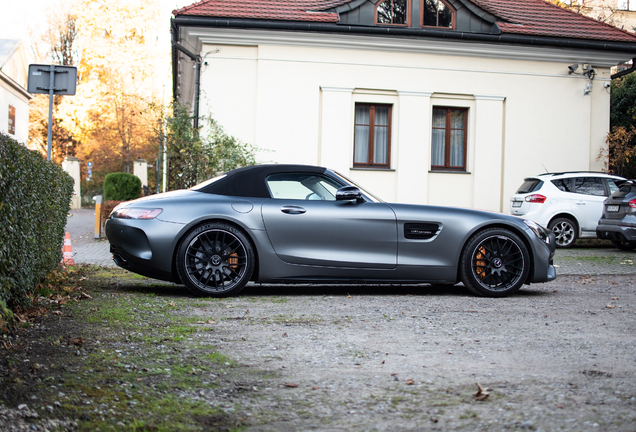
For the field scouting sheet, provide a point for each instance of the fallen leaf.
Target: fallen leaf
(614, 298)
(171, 303)
(86, 295)
(285, 334)
(560, 406)
(57, 312)
(77, 342)
(315, 388)
(481, 394)
(383, 361)
(410, 382)
(290, 385)
(348, 295)
(610, 307)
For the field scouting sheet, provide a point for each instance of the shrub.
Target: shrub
(34, 203)
(107, 208)
(121, 187)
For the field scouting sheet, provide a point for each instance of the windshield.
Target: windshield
(367, 194)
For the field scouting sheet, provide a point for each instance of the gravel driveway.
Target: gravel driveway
(558, 356)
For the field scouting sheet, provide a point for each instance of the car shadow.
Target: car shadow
(155, 287)
(350, 290)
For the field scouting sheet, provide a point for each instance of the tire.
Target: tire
(624, 245)
(565, 230)
(494, 263)
(215, 260)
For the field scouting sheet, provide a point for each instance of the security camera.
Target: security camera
(573, 68)
(607, 84)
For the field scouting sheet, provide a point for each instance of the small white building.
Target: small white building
(444, 102)
(14, 98)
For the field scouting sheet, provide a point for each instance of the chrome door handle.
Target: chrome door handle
(292, 209)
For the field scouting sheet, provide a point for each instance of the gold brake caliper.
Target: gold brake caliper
(480, 262)
(233, 260)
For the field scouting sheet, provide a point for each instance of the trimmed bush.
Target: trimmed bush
(121, 187)
(34, 203)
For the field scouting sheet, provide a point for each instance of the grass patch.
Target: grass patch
(127, 358)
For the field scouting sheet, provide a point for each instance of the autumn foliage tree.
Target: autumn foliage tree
(621, 149)
(121, 70)
(59, 40)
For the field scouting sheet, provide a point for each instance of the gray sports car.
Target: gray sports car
(294, 223)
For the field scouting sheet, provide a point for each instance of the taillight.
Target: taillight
(632, 203)
(536, 198)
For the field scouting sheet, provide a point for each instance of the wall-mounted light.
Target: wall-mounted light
(588, 89)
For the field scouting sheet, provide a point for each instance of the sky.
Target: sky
(18, 16)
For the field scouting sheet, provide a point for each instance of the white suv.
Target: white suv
(569, 203)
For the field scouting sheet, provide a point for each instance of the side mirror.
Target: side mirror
(348, 193)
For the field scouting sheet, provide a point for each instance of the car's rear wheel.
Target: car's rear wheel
(215, 259)
(565, 231)
(624, 245)
(494, 263)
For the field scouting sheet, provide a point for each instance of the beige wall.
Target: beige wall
(13, 95)
(296, 99)
(13, 83)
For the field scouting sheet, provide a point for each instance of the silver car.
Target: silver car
(294, 223)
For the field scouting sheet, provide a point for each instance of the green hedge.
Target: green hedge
(34, 203)
(121, 187)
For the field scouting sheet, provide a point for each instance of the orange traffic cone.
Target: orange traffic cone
(67, 251)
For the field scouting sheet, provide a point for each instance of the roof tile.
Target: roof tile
(522, 17)
(540, 18)
(288, 10)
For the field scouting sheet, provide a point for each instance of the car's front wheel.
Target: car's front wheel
(565, 231)
(494, 263)
(215, 260)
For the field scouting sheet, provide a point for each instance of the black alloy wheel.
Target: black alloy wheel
(565, 231)
(215, 260)
(495, 263)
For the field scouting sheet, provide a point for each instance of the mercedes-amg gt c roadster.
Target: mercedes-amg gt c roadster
(307, 224)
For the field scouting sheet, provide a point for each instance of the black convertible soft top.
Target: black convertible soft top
(250, 181)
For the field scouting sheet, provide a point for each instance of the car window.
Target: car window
(564, 185)
(530, 185)
(589, 186)
(302, 186)
(613, 187)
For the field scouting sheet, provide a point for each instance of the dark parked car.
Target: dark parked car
(618, 222)
(293, 223)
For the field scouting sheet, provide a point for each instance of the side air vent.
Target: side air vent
(420, 231)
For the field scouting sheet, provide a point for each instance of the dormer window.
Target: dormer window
(438, 13)
(392, 12)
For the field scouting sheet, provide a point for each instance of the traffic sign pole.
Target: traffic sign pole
(51, 89)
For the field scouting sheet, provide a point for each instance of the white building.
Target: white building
(444, 102)
(14, 99)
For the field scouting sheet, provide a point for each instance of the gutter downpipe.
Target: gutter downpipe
(197, 78)
(626, 71)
